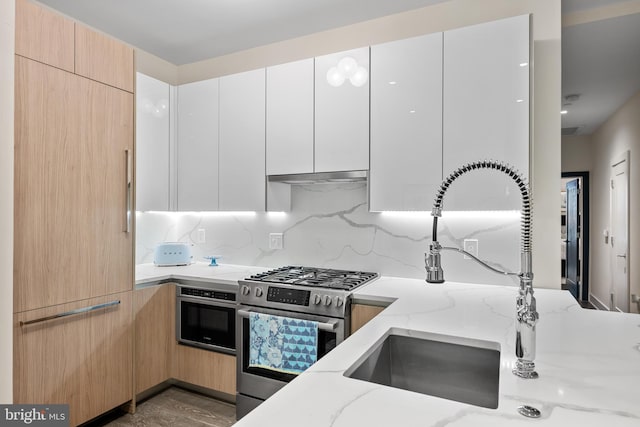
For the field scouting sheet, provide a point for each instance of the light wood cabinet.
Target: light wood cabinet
(406, 124)
(152, 144)
(103, 59)
(486, 111)
(84, 360)
(341, 114)
(159, 357)
(44, 36)
(290, 118)
(71, 140)
(361, 314)
(242, 142)
(155, 331)
(73, 246)
(198, 146)
(216, 371)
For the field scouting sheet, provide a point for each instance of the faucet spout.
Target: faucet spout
(526, 314)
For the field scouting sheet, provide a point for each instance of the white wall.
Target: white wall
(577, 154)
(155, 67)
(621, 132)
(7, 31)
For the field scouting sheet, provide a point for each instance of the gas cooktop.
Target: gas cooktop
(315, 277)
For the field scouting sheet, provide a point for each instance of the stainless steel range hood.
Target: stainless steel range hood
(320, 177)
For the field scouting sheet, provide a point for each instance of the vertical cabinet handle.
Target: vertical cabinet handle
(127, 219)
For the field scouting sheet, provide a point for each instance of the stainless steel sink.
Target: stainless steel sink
(453, 368)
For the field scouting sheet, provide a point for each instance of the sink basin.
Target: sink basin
(453, 368)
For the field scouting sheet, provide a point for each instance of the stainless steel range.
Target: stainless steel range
(306, 293)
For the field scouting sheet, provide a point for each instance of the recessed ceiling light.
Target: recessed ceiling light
(392, 83)
(524, 64)
(563, 112)
(412, 111)
(519, 100)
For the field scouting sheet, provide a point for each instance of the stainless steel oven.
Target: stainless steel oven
(299, 293)
(257, 384)
(206, 317)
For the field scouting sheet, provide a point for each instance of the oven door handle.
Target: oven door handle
(329, 326)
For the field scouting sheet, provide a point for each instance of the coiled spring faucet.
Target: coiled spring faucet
(526, 314)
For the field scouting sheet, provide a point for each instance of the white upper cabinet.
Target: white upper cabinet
(197, 148)
(406, 124)
(290, 118)
(152, 144)
(342, 111)
(486, 111)
(242, 142)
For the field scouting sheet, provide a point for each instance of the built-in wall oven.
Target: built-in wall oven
(301, 293)
(206, 316)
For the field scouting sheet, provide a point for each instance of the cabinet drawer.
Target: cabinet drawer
(209, 369)
(84, 360)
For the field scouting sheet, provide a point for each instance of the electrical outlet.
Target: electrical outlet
(202, 235)
(275, 241)
(471, 246)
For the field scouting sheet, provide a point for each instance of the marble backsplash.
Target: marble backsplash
(329, 226)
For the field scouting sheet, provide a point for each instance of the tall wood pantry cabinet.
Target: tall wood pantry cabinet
(73, 245)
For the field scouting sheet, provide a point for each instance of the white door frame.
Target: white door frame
(620, 160)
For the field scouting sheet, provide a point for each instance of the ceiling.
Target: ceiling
(185, 31)
(600, 62)
(600, 59)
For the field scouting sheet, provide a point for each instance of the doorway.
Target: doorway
(574, 216)
(619, 234)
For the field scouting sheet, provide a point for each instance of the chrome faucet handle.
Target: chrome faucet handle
(526, 311)
(433, 264)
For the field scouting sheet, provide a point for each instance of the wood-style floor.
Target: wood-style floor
(175, 407)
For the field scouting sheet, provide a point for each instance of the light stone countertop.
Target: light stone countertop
(225, 274)
(588, 361)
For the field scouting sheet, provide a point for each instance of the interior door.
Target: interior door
(620, 234)
(573, 237)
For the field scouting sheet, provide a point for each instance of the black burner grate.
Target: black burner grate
(316, 277)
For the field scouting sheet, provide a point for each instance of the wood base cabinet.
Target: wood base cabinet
(204, 368)
(155, 335)
(361, 314)
(84, 360)
(159, 357)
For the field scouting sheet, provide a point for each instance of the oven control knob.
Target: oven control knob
(339, 302)
(327, 300)
(317, 299)
(245, 290)
(258, 292)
